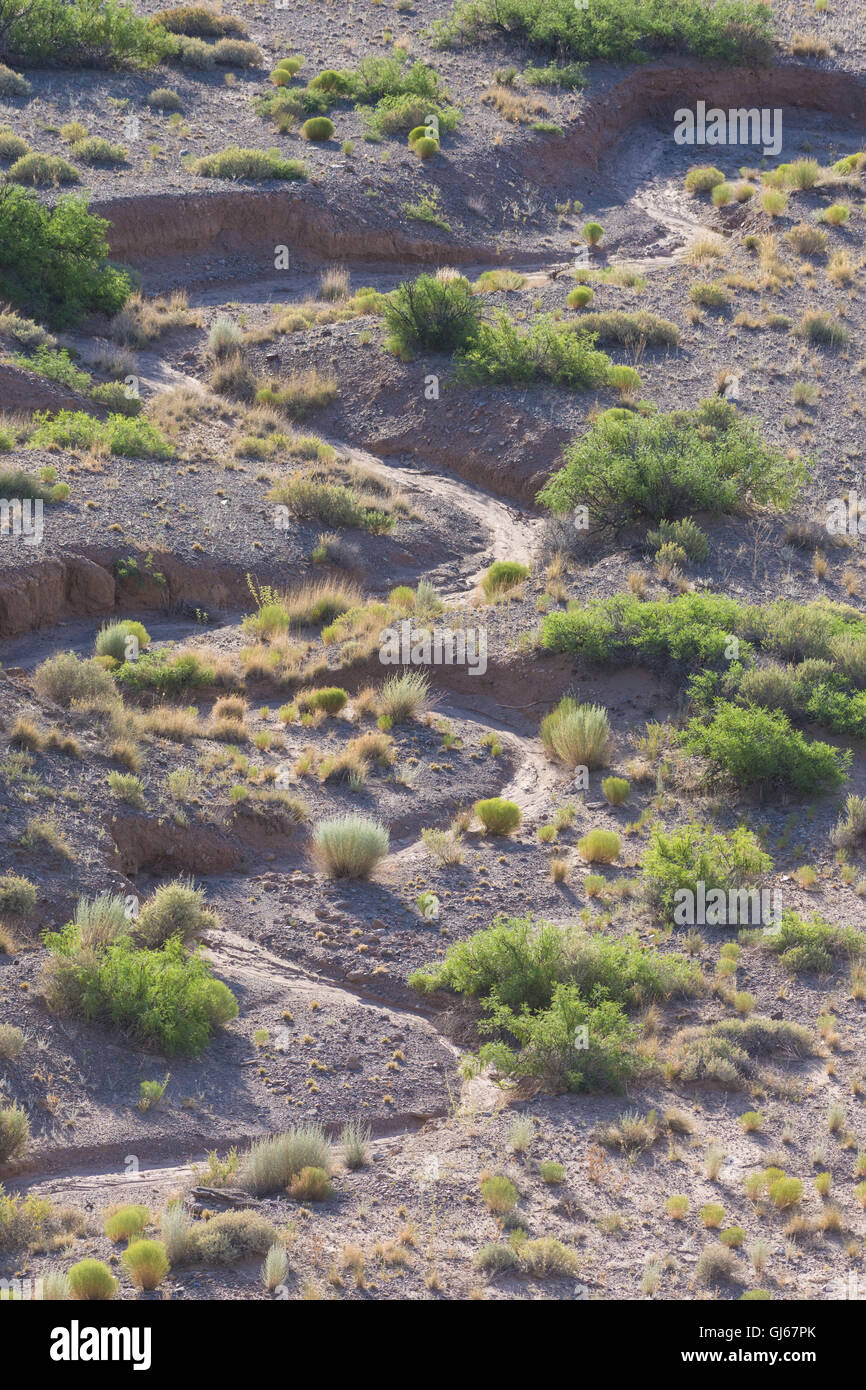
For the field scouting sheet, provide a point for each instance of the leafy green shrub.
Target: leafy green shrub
(576, 734)
(498, 817)
(161, 673)
(317, 128)
(680, 859)
(811, 945)
(440, 315)
(270, 1164)
(551, 1043)
(519, 962)
(51, 33)
(503, 575)
(166, 999)
(146, 1263)
(501, 352)
(350, 846)
(425, 147)
(120, 435)
(580, 297)
(53, 259)
(96, 150)
(253, 164)
(663, 466)
(91, 1280)
(758, 747)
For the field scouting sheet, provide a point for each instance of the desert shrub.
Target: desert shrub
(820, 327)
(164, 999)
(495, 1258)
(311, 1185)
(350, 846)
(50, 33)
(503, 575)
(164, 99)
(317, 128)
(683, 533)
(440, 315)
(785, 1192)
(119, 435)
(703, 178)
(663, 466)
(272, 1163)
(580, 297)
(709, 296)
(813, 944)
(146, 1263)
(12, 84)
(499, 1193)
(498, 817)
(53, 260)
(502, 352)
(43, 170)
(759, 747)
(128, 1221)
(11, 1042)
(91, 1280)
(163, 673)
(200, 22)
(716, 1264)
(251, 164)
(14, 1133)
(96, 150)
(176, 910)
(576, 734)
(807, 239)
(629, 329)
(17, 896)
(331, 699)
(615, 790)
(551, 1048)
(679, 860)
(403, 697)
(519, 962)
(114, 639)
(66, 677)
(11, 145)
(600, 846)
(848, 832)
(234, 53)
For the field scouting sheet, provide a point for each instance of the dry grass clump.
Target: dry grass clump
(511, 105)
(576, 734)
(142, 321)
(350, 846)
(271, 1164)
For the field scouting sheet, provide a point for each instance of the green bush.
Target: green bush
(176, 911)
(53, 259)
(11, 145)
(270, 1164)
(519, 962)
(317, 128)
(811, 945)
(551, 1043)
(580, 297)
(165, 1000)
(114, 639)
(146, 1263)
(91, 1280)
(12, 84)
(677, 861)
(615, 790)
(14, 1133)
(703, 178)
(331, 699)
(95, 150)
(350, 846)
(17, 896)
(577, 735)
(425, 147)
(503, 575)
(758, 747)
(629, 329)
(164, 99)
(546, 351)
(251, 164)
(440, 315)
(663, 466)
(600, 846)
(57, 33)
(161, 673)
(683, 533)
(128, 1221)
(730, 31)
(43, 170)
(498, 817)
(121, 435)
(200, 22)
(66, 677)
